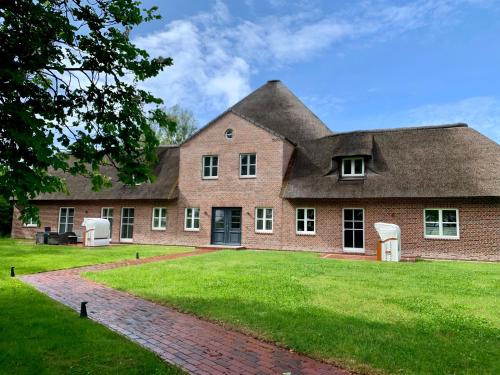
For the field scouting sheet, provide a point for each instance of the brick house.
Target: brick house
(267, 173)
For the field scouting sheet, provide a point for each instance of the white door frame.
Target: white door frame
(112, 217)
(352, 249)
(121, 226)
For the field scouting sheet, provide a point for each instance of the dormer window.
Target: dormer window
(353, 167)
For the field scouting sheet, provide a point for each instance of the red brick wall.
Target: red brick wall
(229, 190)
(479, 225)
(143, 232)
(479, 218)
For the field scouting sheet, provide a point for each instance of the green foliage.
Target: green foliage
(409, 318)
(186, 126)
(5, 217)
(69, 99)
(41, 336)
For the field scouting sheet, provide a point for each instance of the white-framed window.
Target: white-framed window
(353, 229)
(248, 165)
(353, 167)
(31, 223)
(263, 220)
(210, 166)
(66, 218)
(306, 221)
(159, 220)
(107, 213)
(441, 223)
(192, 219)
(228, 133)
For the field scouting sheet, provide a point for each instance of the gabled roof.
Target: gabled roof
(273, 107)
(165, 186)
(443, 161)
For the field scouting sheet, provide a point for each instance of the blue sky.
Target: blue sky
(356, 64)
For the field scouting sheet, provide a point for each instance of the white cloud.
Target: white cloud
(215, 53)
(481, 112)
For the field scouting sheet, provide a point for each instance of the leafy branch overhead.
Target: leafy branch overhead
(69, 99)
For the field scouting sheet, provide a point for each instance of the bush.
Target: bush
(5, 217)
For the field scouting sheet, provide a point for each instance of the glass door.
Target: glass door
(127, 227)
(107, 213)
(226, 226)
(354, 231)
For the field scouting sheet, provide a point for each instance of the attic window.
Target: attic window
(229, 134)
(353, 167)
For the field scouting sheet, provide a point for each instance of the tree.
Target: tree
(186, 126)
(5, 217)
(69, 96)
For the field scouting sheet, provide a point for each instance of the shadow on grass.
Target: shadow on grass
(40, 336)
(368, 346)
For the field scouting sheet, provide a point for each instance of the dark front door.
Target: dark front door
(226, 226)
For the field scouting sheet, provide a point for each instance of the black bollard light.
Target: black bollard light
(83, 310)
(12, 273)
(136, 255)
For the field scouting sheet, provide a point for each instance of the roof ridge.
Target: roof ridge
(304, 104)
(408, 128)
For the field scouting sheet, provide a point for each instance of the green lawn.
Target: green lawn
(30, 258)
(41, 336)
(412, 318)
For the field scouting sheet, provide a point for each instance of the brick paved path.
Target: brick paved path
(197, 346)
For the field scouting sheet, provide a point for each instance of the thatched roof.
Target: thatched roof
(165, 186)
(276, 109)
(439, 161)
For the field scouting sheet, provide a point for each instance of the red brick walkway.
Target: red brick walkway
(197, 346)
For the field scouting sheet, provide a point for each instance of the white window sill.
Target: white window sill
(210, 178)
(353, 250)
(191, 229)
(30, 226)
(352, 175)
(255, 176)
(305, 233)
(427, 237)
(159, 229)
(264, 231)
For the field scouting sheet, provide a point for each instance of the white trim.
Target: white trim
(352, 249)
(352, 160)
(211, 177)
(59, 221)
(159, 218)
(107, 208)
(121, 225)
(248, 165)
(264, 219)
(192, 229)
(30, 224)
(440, 223)
(305, 232)
(108, 217)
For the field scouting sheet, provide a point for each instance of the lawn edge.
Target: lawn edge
(356, 369)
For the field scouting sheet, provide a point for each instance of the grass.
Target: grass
(41, 336)
(411, 318)
(30, 258)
